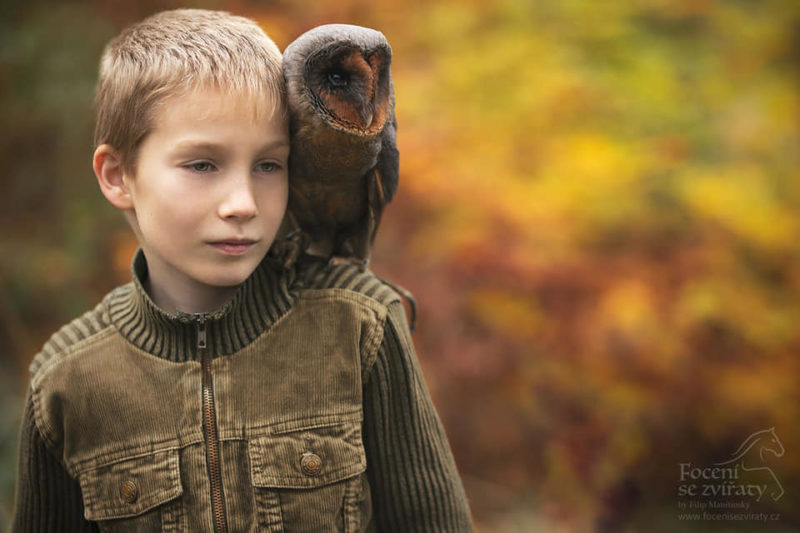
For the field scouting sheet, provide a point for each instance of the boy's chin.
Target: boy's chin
(227, 276)
(225, 280)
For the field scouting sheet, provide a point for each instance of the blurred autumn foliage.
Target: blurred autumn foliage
(598, 213)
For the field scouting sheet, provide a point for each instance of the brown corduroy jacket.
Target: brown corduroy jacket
(299, 406)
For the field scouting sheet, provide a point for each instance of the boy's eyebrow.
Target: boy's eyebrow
(279, 143)
(212, 146)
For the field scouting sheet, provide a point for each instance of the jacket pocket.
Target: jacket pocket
(310, 480)
(135, 494)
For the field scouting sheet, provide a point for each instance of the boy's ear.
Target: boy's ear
(107, 165)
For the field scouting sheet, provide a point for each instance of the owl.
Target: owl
(343, 163)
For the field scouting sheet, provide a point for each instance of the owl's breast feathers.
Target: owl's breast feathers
(325, 154)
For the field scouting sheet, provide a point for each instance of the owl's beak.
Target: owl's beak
(366, 117)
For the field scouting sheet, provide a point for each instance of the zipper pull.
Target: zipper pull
(201, 331)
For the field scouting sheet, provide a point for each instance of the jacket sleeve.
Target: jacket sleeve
(413, 478)
(47, 498)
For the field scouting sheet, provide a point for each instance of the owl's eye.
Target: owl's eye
(338, 78)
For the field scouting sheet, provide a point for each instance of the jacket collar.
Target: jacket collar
(257, 304)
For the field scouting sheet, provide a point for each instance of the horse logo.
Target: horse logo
(751, 453)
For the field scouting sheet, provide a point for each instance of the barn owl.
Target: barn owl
(343, 163)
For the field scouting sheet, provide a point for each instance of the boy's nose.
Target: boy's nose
(240, 200)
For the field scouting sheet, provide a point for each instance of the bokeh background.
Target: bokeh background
(598, 215)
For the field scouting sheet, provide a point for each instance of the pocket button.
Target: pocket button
(311, 464)
(128, 491)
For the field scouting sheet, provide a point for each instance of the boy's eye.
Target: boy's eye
(200, 166)
(267, 166)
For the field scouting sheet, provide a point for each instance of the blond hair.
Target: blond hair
(172, 52)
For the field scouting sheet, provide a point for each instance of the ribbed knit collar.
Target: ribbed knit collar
(257, 304)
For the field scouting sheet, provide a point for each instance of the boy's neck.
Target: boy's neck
(179, 293)
(188, 301)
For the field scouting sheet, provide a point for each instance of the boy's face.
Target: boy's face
(208, 192)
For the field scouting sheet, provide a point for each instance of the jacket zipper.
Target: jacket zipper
(210, 434)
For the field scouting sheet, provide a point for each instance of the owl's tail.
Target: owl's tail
(405, 293)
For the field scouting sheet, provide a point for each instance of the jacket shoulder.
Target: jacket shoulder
(80, 331)
(319, 275)
(347, 284)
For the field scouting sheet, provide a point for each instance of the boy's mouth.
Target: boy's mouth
(233, 246)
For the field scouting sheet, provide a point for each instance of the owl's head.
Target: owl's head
(341, 73)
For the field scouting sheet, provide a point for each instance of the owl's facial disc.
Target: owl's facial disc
(353, 89)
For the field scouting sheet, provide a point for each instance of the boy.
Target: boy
(218, 391)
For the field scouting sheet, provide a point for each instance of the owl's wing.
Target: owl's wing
(383, 179)
(389, 161)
